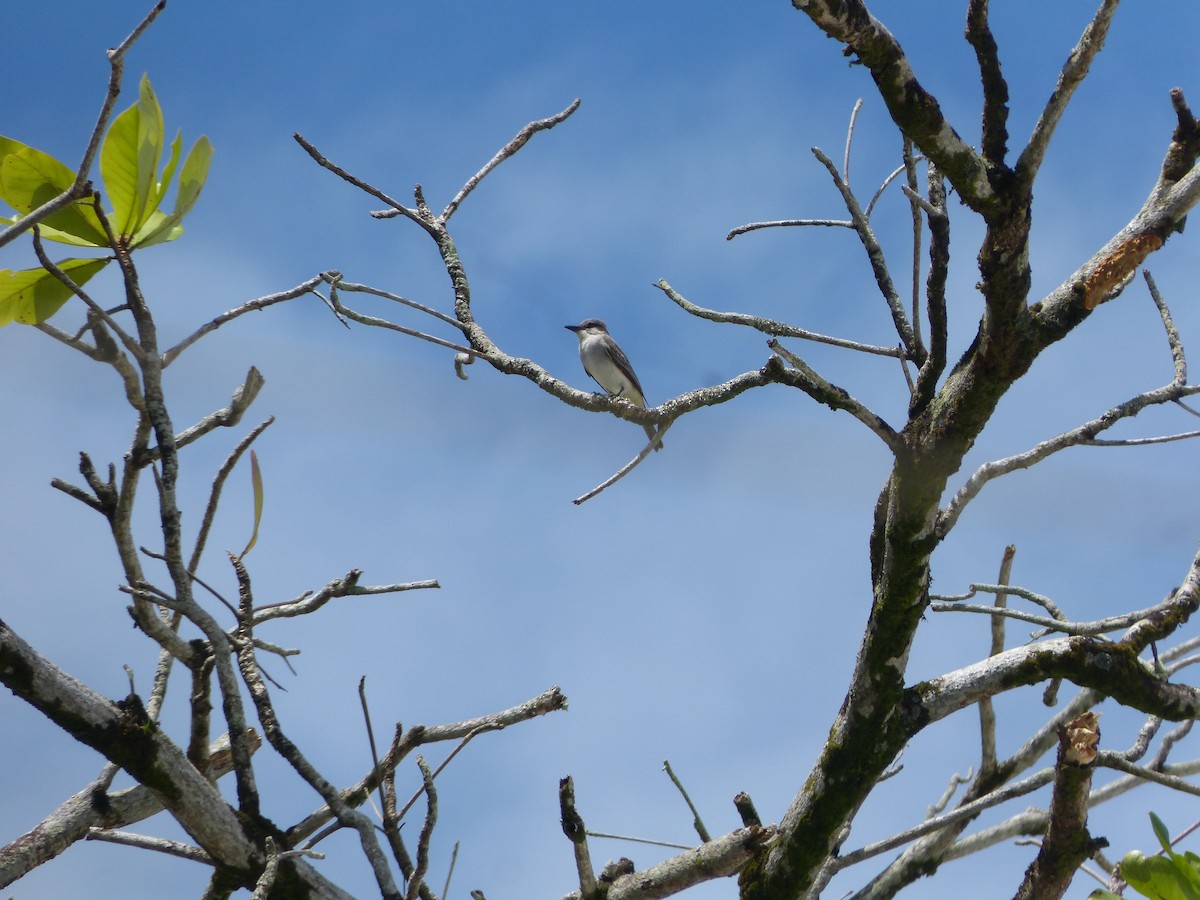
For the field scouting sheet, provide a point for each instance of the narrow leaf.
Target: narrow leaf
(31, 296)
(257, 483)
(1160, 832)
(129, 161)
(151, 136)
(191, 181)
(193, 176)
(168, 172)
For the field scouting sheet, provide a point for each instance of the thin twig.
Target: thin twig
(1141, 442)
(1174, 341)
(849, 140)
(214, 493)
(362, 699)
(273, 732)
(323, 162)
(363, 319)
(638, 840)
(438, 771)
(956, 781)
(548, 701)
(417, 880)
(450, 870)
(347, 586)
(807, 379)
(770, 326)
(987, 711)
(95, 308)
(875, 257)
(388, 295)
(507, 151)
(226, 417)
(145, 842)
(697, 822)
(1117, 761)
(967, 811)
(259, 303)
(1174, 390)
(879, 191)
(1059, 622)
(627, 468)
(788, 223)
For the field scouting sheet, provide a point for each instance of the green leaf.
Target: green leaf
(168, 172)
(1160, 832)
(159, 227)
(31, 296)
(1185, 866)
(1188, 871)
(1157, 877)
(129, 162)
(53, 234)
(129, 159)
(191, 181)
(193, 176)
(76, 225)
(257, 484)
(29, 178)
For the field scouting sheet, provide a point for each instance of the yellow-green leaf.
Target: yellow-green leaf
(257, 485)
(191, 181)
(29, 178)
(168, 172)
(1155, 877)
(129, 161)
(31, 296)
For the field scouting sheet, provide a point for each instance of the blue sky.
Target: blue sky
(707, 609)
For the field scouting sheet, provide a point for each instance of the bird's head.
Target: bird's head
(588, 328)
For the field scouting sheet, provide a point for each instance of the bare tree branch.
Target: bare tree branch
(804, 377)
(259, 303)
(1176, 389)
(913, 109)
(772, 327)
(1067, 843)
(552, 700)
(273, 731)
(116, 731)
(89, 813)
(879, 267)
(717, 858)
(505, 152)
(1074, 70)
(994, 141)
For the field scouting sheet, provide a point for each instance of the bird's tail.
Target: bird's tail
(650, 432)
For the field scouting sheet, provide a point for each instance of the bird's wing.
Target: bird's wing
(622, 363)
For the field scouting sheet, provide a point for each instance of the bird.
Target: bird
(608, 366)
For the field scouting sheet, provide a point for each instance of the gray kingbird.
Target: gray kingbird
(608, 365)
